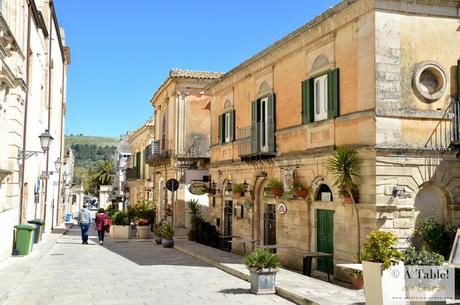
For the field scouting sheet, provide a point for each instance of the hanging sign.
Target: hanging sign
(198, 188)
(288, 180)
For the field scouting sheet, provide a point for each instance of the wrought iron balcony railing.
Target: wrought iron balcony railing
(257, 140)
(445, 136)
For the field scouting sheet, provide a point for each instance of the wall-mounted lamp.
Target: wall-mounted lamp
(228, 186)
(213, 186)
(45, 142)
(399, 191)
(245, 186)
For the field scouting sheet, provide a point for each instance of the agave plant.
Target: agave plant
(261, 259)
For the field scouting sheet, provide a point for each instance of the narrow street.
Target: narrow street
(125, 272)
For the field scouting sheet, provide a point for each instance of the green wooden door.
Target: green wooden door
(325, 237)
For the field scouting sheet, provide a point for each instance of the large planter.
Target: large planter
(144, 232)
(158, 240)
(379, 284)
(263, 281)
(168, 243)
(120, 232)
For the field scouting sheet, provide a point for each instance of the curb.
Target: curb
(285, 294)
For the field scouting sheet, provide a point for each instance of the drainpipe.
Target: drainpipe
(24, 132)
(62, 146)
(49, 109)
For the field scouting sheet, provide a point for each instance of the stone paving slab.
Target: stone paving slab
(135, 272)
(290, 285)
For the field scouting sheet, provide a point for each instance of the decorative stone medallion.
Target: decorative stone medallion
(429, 81)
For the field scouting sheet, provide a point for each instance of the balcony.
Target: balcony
(157, 153)
(446, 136)
(257, 141)
(196, 148)
(132, 173)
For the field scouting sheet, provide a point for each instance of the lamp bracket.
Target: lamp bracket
(26, 154)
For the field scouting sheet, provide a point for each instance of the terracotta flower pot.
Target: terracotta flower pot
(237, 194)
(357, 282)
(301, 193)
(347, 200)
(277, 192)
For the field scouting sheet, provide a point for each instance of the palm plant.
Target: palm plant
(345, 165)
(103, 172)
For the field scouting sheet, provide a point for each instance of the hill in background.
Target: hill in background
(88, 151)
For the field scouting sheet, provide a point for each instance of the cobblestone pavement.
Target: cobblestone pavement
(126, 272)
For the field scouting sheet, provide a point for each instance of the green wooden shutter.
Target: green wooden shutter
(271, 120)
(138, 165)
(219, 130)
(232, 125)
(255, 147)
(308, 101)
(333, 93)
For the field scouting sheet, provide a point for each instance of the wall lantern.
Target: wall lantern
(229, 186)
(245, 186)
(45, 140)
(213, 186)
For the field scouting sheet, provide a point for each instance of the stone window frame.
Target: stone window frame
(420, 90)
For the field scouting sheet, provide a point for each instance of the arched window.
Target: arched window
(264, 88)
(320, 62)
(226, 132)
(227, 104)
(163, 132)
(324, 193)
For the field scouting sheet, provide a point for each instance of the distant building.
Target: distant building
(181, 147)
(139, 178)
(120, 165)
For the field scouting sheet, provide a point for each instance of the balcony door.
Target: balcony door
(263, 115)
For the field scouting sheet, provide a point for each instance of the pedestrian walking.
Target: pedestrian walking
(85, 221)
(102, 222)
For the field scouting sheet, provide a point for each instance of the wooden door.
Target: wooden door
(325, 237)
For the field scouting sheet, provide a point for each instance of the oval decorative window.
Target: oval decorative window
(429, 81)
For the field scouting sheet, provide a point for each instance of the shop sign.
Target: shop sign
(198, 188)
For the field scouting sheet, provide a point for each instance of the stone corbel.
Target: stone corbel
(4, 173)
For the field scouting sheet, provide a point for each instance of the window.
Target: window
(263, 125)
(163, 132)
(227, 127)
(320, 97)
(226, 132)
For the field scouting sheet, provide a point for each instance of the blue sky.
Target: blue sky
(121, 51)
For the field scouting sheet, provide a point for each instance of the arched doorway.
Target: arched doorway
(265, 216)
(431, 201)
(324, 218)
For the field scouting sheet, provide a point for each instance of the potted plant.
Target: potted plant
(262, 265)
(379, 254)
(120, 225)
(357, 280)
(345, 165)
(276, 187)
(157, 233)
(300, 189)
(144, 215)
(167, 233)
(195, 209)
(237, 190)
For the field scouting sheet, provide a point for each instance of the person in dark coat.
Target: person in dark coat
(101, 224)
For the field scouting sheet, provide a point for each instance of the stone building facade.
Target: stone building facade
(378, 75)
(181, 147)
(32, 99)
(139, 177)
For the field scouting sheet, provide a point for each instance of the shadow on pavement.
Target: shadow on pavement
(141, 252)
(235, 291)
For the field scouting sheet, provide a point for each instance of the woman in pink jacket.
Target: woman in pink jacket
(101, 224)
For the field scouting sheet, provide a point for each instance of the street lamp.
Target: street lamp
(45, 142)
(57, 164)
